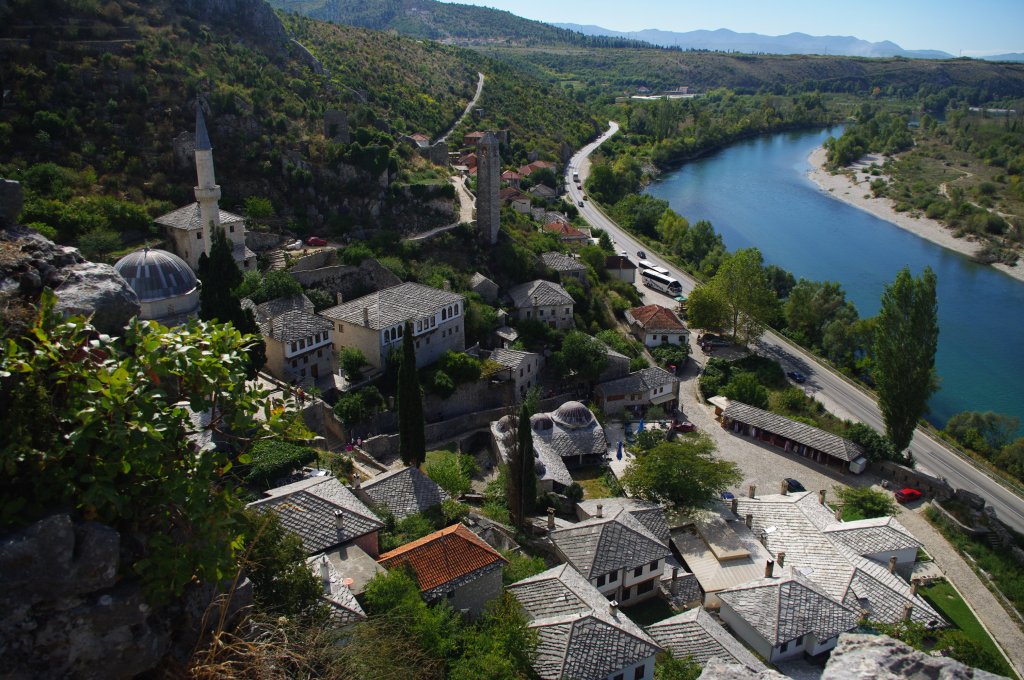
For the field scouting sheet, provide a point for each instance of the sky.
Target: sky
(960, 27)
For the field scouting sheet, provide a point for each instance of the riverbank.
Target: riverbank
(858, 194)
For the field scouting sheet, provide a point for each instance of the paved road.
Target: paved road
(469, 107)
(838, 394)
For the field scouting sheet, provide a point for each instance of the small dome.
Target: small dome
(539, 468)
(504, 424)
(573, 414)
(540, 422)
(156, 274)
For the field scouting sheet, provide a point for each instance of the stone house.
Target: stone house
(655, 325)
(698, 635)
(511, 177)
(404, 492)
(543, 301)
(542, 191)
(375, 323)
(298, 342)
(523, 368)
(652, 386)
(484, 287)
(620, 267)
(616, 552)
(567, 267)
(453, 564)
(336, 591)
(580, 633)
(567, 234)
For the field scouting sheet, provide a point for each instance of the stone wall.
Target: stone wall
(260, 241)
(903, 476)
(351, 282)
(317, 260)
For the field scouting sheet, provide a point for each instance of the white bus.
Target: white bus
(661, 282)
(647, 264)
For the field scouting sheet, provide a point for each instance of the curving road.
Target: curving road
(838, 394)
(469, 107)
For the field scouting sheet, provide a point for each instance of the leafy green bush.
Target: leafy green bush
(262, 288)
(352, 360)
(354, 254)
(359, 406)
(875, 445)
(441, 384)
(520, 566)
(744, 387)
(451, 471)
(272, 460)
(668, 354)
(460, 366)
(863, 502)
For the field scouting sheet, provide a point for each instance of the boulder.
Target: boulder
(881, 657)
(98, 290)
(11, 200)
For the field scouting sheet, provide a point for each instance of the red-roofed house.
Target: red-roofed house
(453, 563)
(655, 325)
(469, 160)
(567, 233)
(511, 177)
(420, 139)
(529, 168)
(472, 138)
(519, 201)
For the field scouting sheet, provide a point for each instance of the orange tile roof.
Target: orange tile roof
(656, 316)
(442, 556)
(564, 230)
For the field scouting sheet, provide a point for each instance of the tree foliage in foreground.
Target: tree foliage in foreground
(684, 473)
(906, 339)
(104, 427)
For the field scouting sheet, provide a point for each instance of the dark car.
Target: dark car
(316, 241)
(641, 254)
(579, 203)
(727, 496)
(907, 495)
(797, 376)
(793, 485)
(685, 426)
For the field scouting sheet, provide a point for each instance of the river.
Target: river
(756, 193)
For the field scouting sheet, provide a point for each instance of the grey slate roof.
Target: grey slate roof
(545, 292)
(601, 545)
(307, 508)
(578, 636)
(651, 515)
(344, 606)
(294, 325)
(404, 492)
(187, 217)
(156, 274)
(510, 358)
(783, 609)
(826, 442)
(639, 381)
(278, 306)
(549, 464)
(696, 634)
(561, 262)
(394, 305)
(823, 551)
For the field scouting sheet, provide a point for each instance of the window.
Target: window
(618, 677)
(626, 592)
(613, 577)
(303, 373)
(305, 359)
(784, 647)
(541, 313)
(520, 373)
(600, 581)
(444, 314)
(199, 236)
(645, 587)
(451, 595)
(294, 346)
(638, 674)
(341, 329)
(654, 565)
(232, 228)
(319, 353)
(295, 363)
(639, 571)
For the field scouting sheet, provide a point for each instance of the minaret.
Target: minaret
(207, 190)
(488, 180)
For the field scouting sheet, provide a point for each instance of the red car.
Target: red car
(316, 241)
(907, 495)
(685, 426)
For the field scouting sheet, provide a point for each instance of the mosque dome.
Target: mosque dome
(156, 274)
(573, 414)
(167, 287)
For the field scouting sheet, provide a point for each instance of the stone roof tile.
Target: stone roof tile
(598, 546)
(811, 436)
(539, 292)
(394, 305)
(404, 492)
(696, 634)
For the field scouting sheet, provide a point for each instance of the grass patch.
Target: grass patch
(649, 611)
(948, 602)
(591, 478)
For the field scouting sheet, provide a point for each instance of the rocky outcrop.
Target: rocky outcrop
(11, 200)
(31, 262)
(716, 669)
(247, 18)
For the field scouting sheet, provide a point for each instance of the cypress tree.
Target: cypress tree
(521, 479)
(412, 443)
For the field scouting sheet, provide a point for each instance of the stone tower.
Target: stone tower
(488, 180)
(207, 190)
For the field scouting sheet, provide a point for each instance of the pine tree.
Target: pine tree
(412, 444)
(906, 338)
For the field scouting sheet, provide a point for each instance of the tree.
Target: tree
(985, 433)
(272, 460)
(874, 444)
(667, 667)
(582, 355)
(707, 309)
(352, 360)
(450, 471)
(412, 444)
(742, 284)
(359, 406)
(863, 502)
(812, 306)
(744, 387)
(684, 473)
(906, 338)
(262, 288)
(522, 475)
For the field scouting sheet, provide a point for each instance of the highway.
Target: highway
(839, 395)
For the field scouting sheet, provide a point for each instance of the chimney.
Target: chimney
(908, 611)
(447, 285)
(784, 487)
(750, 491)
(551, 519)
(325, 574)
(736, 506)
(821, 497)
(913, 587)
(768, 568)
(781, 557)
(675, 575)
(613, 607)
(839, 513)
(366, 316)
(892, 564)
(750, 520)
(600, 510)
(338, 299)
(339, 521)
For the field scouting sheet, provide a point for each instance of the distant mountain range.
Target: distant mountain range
(751, 43)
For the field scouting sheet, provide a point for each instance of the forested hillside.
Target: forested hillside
(464, 24)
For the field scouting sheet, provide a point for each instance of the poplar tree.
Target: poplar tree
(906, 338)
(412, 443)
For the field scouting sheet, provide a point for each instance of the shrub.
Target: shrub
(574, 492)
(354, 254)
(669, 354)
(461, 367)
(441, 384)
(359, 406)
(520, 566)
(451, 471)
(272, 460)
(865, 502)
(352, 360)
(744, 387)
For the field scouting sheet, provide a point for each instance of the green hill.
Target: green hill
(442, 21)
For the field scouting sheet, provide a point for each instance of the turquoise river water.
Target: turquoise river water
(756, 193)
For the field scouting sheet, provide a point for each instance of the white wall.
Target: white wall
(745, 631)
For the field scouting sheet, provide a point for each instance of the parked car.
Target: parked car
(797, 376)
(579, 203)
(793, 485)
(685, 426)
(641, 254)
(727, 496)
(294, 245)
(907, 495)
(316, 241)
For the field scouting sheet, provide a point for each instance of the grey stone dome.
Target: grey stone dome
(573, 414)
(156, 274)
